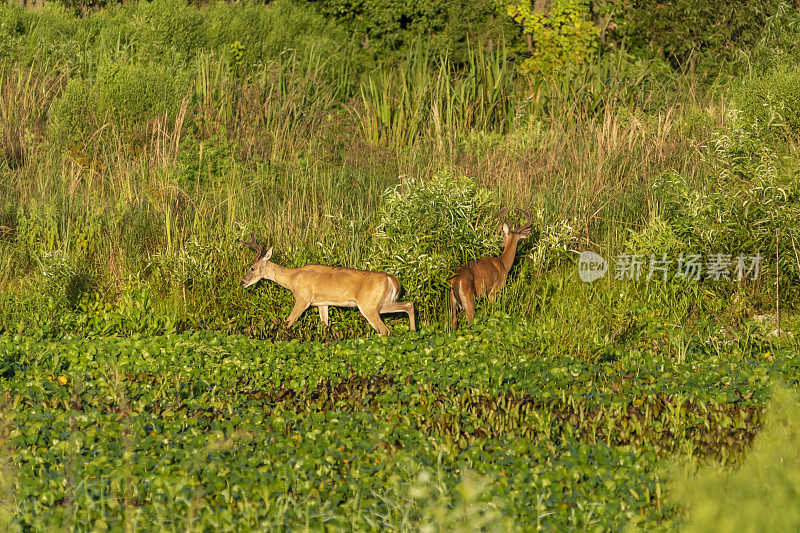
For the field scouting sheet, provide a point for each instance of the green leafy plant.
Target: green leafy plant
(690, 33)
(386, 27)
(762, 494)
(563, 36)
(380, 427)
(166, 25)
(427, 228)
(127, 97)
(771, 104)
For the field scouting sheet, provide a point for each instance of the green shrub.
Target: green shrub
(266, 32)
(131, 94)
(552, 246)
(129, 97)
(740, 215)
(71, 117)
(53, 34)
(164, 25)
(427, 228)
(690, 33)
(779, 44)
(764, 493)
(772, 103)
(82, 6)
(660, 237)
(12, 20)
(388, 27)
(564, 36)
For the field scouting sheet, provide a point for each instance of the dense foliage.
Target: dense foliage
(563, 36)
(226, 431)
(722, 500)
(141, 387)
(691, 33)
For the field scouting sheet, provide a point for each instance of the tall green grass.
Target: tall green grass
(432, 98)
(279, 155)
(299, 146)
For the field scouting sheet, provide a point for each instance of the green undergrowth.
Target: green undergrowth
(202, 428)
(762, 494)
(328, 470)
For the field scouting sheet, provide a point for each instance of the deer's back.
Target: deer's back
(342, 284)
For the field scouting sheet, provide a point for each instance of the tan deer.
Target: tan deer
(486, 276)
(372, 293)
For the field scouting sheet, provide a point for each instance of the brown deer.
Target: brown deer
(486, 276)
(372, 293)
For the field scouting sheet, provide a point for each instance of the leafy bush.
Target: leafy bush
(52, 33)
(129, 97)
(731, 214)
(57, 270)
(83, 6)
(131, 94)
(762, 495)
(164, 25)
(772, 103)
(267, 32)
(383, 27)
(12, 20)
(690, 33)
(779, 44)
(427, 228)
(70, 114)
(564, 36)
(552, 245)
(659, 237)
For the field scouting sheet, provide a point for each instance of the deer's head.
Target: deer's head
(514, 235)
(260, 268)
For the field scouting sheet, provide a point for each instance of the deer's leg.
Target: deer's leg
(373, 316)
(453, 310)
(323, 314)
(411, 315)
(401, 307)
(466, 298)
(297, 310)
(469, 310)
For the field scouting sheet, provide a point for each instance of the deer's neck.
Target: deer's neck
(509, 252)
(282, 276)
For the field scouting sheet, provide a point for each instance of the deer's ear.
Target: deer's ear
(267, 255)
(524, 232)
(505, 228)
